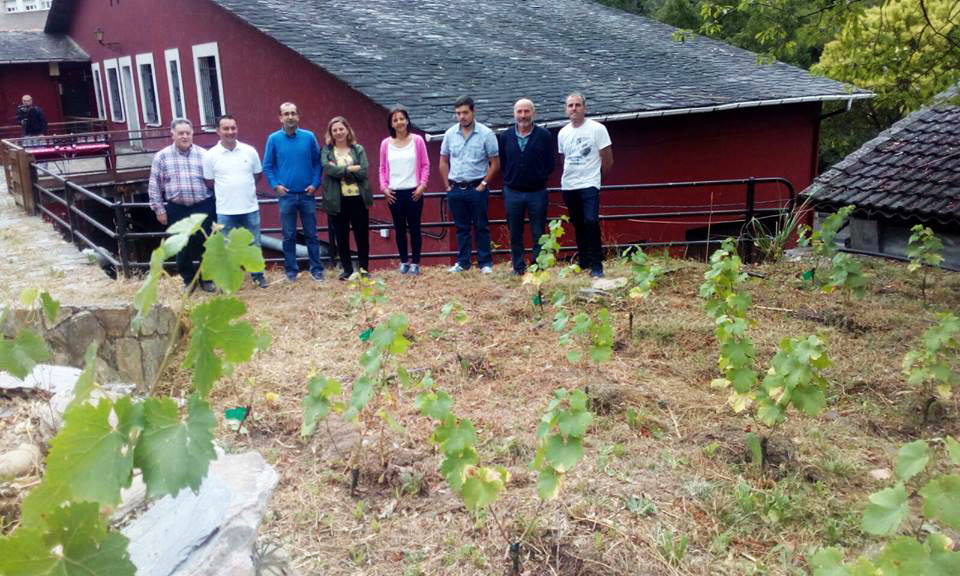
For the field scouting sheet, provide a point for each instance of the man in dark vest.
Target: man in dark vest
(31, 117)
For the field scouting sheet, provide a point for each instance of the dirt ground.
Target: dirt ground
(665, 486)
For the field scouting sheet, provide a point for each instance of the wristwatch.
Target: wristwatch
(483, 183)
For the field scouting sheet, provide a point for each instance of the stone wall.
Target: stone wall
(125, 355)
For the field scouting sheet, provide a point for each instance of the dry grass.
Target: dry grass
(684, 454)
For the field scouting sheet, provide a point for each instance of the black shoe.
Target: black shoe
(344, 276)
(208, 286)
(260, 281)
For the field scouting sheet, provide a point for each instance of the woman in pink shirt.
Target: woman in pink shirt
(404, 171)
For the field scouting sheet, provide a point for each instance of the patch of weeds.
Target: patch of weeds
(411, 484)
(608, 453)
(412, 560)
(464, 554)
(837, 466)
(358, 554)
(641, 506)
(671, 545)
(360, 510)
(512, 450)
(671, 459)
(699, 488)
(710, 450)
(644, 424)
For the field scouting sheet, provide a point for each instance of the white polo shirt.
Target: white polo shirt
(232, 172)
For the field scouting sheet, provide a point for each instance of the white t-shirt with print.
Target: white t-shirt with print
(232, 172)
(581, 154)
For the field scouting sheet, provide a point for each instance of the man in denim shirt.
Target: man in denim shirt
(469, 159)
(292, 164)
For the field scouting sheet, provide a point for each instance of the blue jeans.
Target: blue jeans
(250, 221)
(193, 251)
(518, 202)
(292, 204)
(469, 209)
(584, 207)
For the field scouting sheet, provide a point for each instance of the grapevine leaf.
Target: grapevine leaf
(180, 233)
(225, 259)
(548, 486)
(573, 424)
(563, 454)
(75, 543)
(886, 511)
(912, 458)
(461, 436)
(20, 355)
(51, 307)
(360, 395)
(87, 380)
(809, 399)
(482, 486)
(434, 405)
(173, 452)
(953, 450)
(215, 328)
(146, 296)
(316, 404)
(28, 296)
(455, 465)
(941, 500)
(829, 562)
(93, 452)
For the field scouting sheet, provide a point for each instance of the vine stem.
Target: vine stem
(536, 514)
(496, 519)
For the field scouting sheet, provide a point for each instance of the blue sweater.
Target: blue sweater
(527, 170)
(293, 161)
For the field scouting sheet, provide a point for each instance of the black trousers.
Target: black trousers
(406, 216)
(191, 254)
(353, 214)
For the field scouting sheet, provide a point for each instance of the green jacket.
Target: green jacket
(334, 175)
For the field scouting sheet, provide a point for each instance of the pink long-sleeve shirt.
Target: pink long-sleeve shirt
(423, 162)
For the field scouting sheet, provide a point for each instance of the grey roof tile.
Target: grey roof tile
(24, 46)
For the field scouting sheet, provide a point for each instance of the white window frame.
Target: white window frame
(204, 51)
(98, 90)
(117, 116)
(173, 55)
(143, 59)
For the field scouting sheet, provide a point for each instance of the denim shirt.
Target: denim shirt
(469, 157)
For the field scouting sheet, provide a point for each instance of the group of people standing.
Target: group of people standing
(221, 182)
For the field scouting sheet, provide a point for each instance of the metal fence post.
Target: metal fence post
(68, 195)
(748, 217)
(120, 220)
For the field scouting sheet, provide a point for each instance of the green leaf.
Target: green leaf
(462, 436)
(912, 458)
(76, 543)
(481, 487)
(563, 454)
(454, 467)
(317, 404)
(51, 307)
(20, 355)
(548, 486)
(941, 500)
(829, 562)
(87, 380)
(360, 395)
(436, 405)
(180, 233)
(215, 329)
(886, 511)
(953, 450)
(93, 452)
(574, 424)
(175, 452)
(146, 296)
(226, 259)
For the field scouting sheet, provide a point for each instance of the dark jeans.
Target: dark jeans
(353, 214)
(192, 253)
(292, 204)
(469, 209)
(584, 208)
(250, 221)
(517, 203)
(406, 215)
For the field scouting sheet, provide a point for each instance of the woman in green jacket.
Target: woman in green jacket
(346, 193)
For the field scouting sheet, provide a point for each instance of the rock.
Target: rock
(152, 353)
(608, 283)
(47, 377)
(23, 460)
(115, 320)
(208, 533)
(129, 362)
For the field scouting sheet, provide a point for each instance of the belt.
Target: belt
(467, 183)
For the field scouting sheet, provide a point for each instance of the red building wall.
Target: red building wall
(259, 73)
(34, 79)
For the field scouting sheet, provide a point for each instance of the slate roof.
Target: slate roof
(425, 54)
(21, 47)
(911, 170)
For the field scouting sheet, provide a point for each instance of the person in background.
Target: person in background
(346, 193)
(233, 169)
(176, 176)
(404, 172)
(31, 118)
(291, 161)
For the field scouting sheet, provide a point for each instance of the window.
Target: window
(148, 90)
(11, 6)
(206, 66)
(98, 91)
(175, 82)
(113, 89)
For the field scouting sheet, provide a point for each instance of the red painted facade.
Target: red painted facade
(258, 74)
(34, 79)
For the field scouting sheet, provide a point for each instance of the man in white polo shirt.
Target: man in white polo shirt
(233, 169)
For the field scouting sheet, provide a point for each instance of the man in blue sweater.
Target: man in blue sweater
(527, 159)
(292, 164)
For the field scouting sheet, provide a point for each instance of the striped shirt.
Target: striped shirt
(177, 176)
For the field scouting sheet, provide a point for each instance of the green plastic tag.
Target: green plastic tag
(365, 335)
(238, 414)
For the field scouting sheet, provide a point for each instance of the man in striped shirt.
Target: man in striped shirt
(177, 177)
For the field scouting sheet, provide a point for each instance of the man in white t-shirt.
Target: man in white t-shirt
(587, 157)
(233, 169)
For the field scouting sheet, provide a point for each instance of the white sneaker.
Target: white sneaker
(455, 268)
(487, 269)
(404, 268)
(414, 270)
